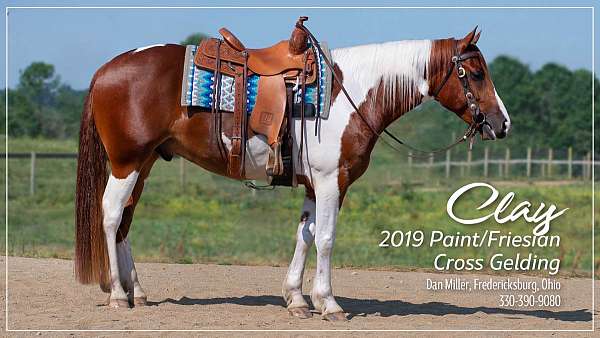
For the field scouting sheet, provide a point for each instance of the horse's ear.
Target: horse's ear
(476, 38)
(470, 39)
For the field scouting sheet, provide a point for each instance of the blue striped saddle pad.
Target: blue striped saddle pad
(197, 86)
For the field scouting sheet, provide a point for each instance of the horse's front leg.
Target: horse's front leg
(327, 196)
(292, 285)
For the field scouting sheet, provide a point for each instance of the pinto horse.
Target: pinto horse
(133, 115)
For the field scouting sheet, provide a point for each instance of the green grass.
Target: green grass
(214, 219)
(28, 144)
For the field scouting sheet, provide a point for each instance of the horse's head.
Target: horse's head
(461, 82)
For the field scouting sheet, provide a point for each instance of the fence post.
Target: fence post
(469, 158)
(507, 163)
(430, 164)
(543, 169)
(448, 163)
(500, 167)
(570, 163)
(182, 173)
(32, 175)
(589, 166)
(528, 162)
(550, 155)
(485, 161)
(583, 167)
(462, 169)
(410, 162)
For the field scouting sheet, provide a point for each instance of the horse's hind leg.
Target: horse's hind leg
(127, 271)
(292, 285)
(116, 195)
(128, 274)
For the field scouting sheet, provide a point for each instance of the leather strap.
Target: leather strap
(318, 86)
(455, 64)
(235, 165)
(244, 131)
(302, 117)
(216, 104)
(290, 131)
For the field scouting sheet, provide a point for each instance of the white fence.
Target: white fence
(547, 167)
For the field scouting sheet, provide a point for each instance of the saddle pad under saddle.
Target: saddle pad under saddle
(197, 86)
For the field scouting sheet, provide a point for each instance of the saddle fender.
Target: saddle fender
(268, 113)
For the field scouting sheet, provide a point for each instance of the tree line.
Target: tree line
(549, 107)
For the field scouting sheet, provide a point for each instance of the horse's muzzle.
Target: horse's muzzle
(487, 133)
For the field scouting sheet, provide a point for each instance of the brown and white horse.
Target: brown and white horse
(133, 114)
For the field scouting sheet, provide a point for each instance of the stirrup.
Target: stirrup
(274, 163)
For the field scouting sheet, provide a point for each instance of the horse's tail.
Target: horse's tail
(91, 258)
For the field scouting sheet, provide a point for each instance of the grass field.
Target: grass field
(213, 219)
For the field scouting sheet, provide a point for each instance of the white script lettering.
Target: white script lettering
(540, 217)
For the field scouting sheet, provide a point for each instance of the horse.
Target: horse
(132, 116)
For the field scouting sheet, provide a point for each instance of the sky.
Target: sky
(79, 41)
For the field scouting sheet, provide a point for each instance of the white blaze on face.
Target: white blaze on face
(503, 109)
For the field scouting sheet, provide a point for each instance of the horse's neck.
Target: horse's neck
(385, 80)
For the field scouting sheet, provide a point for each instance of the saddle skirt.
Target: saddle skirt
(197, 86)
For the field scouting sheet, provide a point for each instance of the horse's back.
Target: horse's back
(142, 65)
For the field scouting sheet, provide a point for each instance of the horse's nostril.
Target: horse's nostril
(502, 133)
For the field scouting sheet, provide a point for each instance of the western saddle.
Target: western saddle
(282, 69)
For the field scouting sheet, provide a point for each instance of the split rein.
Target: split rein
(478, 118)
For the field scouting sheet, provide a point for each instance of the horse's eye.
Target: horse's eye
(477, 75)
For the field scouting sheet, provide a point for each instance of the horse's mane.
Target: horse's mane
(398, 69)
(441, 56)
(401, 93)
(409, 60)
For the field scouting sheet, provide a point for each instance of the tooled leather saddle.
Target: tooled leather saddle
(281, 67)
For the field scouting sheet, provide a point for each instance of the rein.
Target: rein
(478, 118)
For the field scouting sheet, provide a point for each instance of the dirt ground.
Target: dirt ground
(42, 295)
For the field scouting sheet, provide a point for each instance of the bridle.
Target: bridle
(478, 118)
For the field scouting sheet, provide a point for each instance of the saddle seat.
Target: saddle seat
(276, 59)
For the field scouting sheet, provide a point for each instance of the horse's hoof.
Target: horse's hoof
(122, 303)
(140, 301)
(300, 312)
(335, 317)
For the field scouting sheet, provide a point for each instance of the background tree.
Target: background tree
(42, 106)
(194, 39)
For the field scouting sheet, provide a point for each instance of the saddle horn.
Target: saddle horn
(299, 38)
